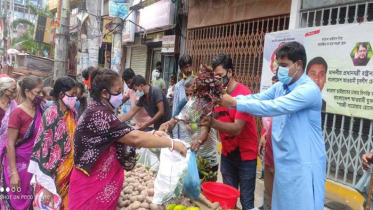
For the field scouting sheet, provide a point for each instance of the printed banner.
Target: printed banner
(108, 38)
(339, 60)
(118, 9)
(43, 28)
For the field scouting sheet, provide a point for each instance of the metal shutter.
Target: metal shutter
(138, 60)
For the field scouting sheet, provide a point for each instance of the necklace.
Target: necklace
(233, 88)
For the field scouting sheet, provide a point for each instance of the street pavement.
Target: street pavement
(259, 187)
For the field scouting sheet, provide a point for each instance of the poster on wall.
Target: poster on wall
(340, 62)
(108, 36)
(118, 9)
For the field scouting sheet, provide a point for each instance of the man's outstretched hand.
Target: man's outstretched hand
(225, 101)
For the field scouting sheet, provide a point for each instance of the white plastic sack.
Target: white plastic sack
(149, 159)
(170, 178)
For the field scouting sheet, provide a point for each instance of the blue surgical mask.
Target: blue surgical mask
(157, 74)
(283, 74)
(48, 103)
(77, 105)
(139, 93)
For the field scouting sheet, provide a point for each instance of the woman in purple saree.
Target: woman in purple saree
(23, 127)
(8, 92)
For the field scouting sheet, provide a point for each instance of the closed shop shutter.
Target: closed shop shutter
(138, 60)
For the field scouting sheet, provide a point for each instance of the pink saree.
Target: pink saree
(102, 188)
(98, 175)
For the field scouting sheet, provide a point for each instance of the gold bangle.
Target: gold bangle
(13, 173)
(200, 141)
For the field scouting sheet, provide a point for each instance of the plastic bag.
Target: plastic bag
(170, 178)
(190, 117)
(192, 184)
(38, 203)
(149, 159)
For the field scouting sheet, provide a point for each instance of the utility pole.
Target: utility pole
(61, 51)
(116, 53)
(5, 35)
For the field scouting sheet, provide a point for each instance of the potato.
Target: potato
(147, 178)
(150, 185)
(145, 205)
(141, 188)
(131, 180)
(127, 203)
(151, 191)
(135, 205)
(135, 193)
(133, 198)
(121, 204)
(184, 202)
(144, 192)
(125, 184)
(128, 174)
(149, 199)
(141, 198)
(153, 206)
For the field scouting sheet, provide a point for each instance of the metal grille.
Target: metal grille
(244, 41)
(341, 14)
(346, 138)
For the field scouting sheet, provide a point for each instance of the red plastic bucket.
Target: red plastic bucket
(224, 194)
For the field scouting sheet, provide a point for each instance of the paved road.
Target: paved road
(259, 187)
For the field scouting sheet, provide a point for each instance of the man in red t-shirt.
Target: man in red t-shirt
(238, 135)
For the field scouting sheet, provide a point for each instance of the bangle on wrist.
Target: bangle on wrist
(13, 173)
(200, 141)
(153, 131)
(172, 145)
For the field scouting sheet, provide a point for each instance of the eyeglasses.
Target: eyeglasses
(12, 91)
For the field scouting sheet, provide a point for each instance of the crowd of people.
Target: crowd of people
(55, 145)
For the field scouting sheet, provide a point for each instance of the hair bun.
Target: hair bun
(90, 71)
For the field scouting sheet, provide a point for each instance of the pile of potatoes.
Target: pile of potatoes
(138, 191)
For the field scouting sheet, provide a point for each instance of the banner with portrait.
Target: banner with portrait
(339, 60)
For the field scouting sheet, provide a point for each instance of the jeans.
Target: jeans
(242, 174)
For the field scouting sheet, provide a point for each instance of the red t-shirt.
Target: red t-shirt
(20, 120)
(247, 141)
(268, 155)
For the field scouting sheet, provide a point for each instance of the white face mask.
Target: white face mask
(157, 74)
(139, 93)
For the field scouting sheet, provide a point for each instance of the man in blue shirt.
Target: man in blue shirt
(298, 145)
(185, 64)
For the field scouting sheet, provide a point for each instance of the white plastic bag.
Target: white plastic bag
(170, 178)
(149, 159)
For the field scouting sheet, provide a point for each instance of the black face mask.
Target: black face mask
(225, 80)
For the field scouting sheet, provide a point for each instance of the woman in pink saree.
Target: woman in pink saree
(8, 92)
(104, 145)
(23, 126)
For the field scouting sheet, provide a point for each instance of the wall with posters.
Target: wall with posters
(338, 60)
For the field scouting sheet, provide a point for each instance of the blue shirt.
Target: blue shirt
(298, 145)
(179, 93)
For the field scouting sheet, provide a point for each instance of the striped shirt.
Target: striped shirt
(209, 150)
